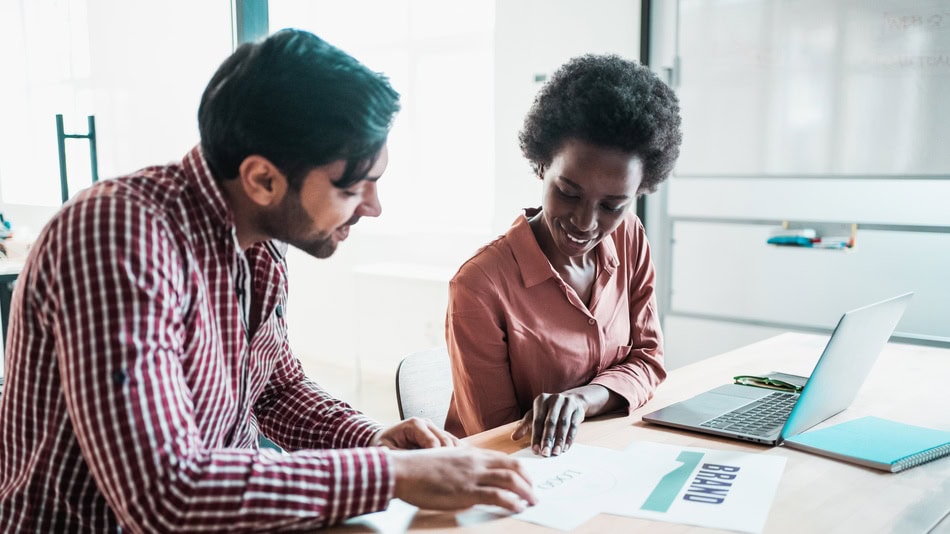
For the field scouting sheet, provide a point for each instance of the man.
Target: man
(147, 345)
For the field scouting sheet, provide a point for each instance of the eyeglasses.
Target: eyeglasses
(766, 382)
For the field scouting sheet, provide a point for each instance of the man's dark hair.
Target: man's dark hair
(299, 102)
(607, 101)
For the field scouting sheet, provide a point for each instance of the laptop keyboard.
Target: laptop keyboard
(759, 418)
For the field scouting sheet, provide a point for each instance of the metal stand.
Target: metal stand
(61, 138)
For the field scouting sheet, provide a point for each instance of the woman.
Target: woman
(556, 320)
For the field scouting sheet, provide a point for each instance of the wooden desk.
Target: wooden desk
(815, 494)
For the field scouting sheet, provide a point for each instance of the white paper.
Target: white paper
(575, 486)
(710, 488)
(395, 519)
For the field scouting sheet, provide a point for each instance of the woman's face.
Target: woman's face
(587, 191)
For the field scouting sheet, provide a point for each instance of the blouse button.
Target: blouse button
(591, 321)
(279, 312)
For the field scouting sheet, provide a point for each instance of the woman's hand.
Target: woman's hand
(553, 422)
(555, 417)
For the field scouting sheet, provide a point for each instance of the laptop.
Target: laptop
(767, 416)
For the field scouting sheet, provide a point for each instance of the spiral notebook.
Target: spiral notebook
(875, 442)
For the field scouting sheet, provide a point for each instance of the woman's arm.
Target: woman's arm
(484, 393)
(637, 375)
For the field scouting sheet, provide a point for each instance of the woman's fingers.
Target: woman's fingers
(555, 422)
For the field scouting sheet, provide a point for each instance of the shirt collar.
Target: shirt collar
(534, 265)
(210, 196)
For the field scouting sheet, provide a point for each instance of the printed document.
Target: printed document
(710, 488)
(704, 487)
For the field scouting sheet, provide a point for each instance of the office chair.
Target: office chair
(424, 385)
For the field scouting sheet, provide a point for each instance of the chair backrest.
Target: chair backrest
(424, 385)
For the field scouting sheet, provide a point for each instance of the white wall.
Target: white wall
(533, 38)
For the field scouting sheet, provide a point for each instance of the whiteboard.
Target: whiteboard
(810, 111)
(815, 87)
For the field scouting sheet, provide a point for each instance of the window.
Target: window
(139, 67)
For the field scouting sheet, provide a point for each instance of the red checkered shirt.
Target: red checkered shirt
(136, 392)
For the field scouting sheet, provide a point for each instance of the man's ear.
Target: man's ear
(261, 181)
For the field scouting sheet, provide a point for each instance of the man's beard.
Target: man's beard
(290, 223)
(321, 248)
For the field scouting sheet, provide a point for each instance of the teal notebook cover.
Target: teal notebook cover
(876, 442)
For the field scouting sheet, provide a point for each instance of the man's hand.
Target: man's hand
(553, 422)
(414, 433)
(452, 479)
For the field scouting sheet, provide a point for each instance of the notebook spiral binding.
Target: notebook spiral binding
(921, 457)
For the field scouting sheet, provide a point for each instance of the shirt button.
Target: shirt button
(591, 321)
(279, 312)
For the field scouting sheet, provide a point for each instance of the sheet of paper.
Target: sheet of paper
(577, 485)
(710, 488)
(395, 519)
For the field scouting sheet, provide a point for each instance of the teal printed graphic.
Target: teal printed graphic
(663, 495)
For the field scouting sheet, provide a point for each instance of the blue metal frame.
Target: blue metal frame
(61, 137)
(251, 21)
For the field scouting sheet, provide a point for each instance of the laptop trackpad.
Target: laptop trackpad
(708, 405)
